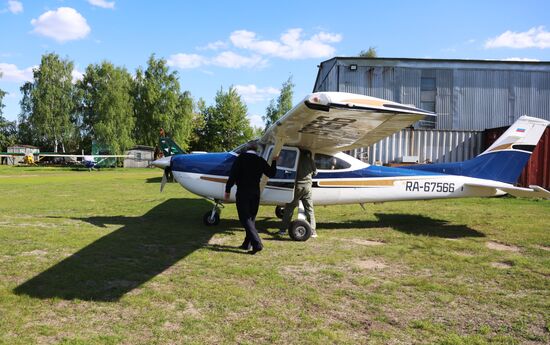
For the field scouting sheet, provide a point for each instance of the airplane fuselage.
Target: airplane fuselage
(349, 182)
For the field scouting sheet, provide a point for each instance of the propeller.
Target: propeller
(167, 171)
(164, 163)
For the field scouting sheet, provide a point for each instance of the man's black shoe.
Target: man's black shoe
(244, 247)
(255, 250)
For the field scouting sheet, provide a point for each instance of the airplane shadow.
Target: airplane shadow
(158, 179)
(124, 259)
(147, 245)
(411, 224)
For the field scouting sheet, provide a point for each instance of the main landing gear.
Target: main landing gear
(299, 229)
(212, 218)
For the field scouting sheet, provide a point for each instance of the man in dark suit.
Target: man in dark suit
(246, 172)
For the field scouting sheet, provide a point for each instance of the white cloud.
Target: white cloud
(253, 94)
(12, 73)
(102, 3)
(521, 59)
(256, 121)
(214, 46)
(233, 60)
(536, 37)
(226, 59)
(76, 75)
(185, 61)
(290, 46)
(15, 6)
(63, 24)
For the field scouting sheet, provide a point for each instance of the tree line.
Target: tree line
(118, 110)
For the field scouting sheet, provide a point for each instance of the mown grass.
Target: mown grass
(104, 258)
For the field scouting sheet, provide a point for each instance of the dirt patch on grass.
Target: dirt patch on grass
(543, 248)
(366, 242)
(191, 310)
(217, 240)
(502, 265)
(502, 247)
(301, 269)
(36, 252)
(370, 264)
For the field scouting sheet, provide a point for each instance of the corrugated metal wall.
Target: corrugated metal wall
(429, 145)
(470, 96)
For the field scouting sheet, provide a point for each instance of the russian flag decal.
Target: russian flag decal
(520, 130)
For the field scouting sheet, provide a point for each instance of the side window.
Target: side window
(326, 162)
(287, 159)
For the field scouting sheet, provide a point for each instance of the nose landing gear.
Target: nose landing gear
(212, 218)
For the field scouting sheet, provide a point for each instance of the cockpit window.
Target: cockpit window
(326, 162)
(242, 148)
(287, 159)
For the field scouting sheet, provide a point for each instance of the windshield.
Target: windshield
(242, 148)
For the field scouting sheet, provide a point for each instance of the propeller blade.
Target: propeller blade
(164, 179)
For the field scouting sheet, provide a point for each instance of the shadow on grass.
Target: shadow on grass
(407, 223)
(122, 260)
(157, 179)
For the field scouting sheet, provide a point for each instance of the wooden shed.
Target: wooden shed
(19, 152)
(142, 157)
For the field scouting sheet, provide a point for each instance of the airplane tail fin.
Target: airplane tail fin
(169, 147)
(505, 159)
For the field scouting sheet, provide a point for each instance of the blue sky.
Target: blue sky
(257, 45)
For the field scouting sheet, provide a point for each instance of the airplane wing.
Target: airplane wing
(531, 192)
(80, 156)
(75, 157)
(339, 121)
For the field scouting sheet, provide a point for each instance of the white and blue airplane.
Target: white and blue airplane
(327, 123)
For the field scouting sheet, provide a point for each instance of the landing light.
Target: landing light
(319, 98)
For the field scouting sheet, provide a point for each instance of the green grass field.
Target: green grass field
(104, 258)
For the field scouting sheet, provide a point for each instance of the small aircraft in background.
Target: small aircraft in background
(327, 123)
(90, 162)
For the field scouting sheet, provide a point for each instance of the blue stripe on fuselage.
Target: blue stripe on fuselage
(220, 164)
(204, 163)
(503, 166)
(374, 171)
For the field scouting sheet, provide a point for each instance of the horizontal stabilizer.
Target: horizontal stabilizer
(531, 192)
(520, 192)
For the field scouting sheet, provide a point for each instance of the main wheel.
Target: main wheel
(299, 230)
(208, 220)
(279, 211)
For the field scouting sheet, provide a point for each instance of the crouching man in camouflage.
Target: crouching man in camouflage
(302, 192)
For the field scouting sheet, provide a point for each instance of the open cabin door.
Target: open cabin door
(280, 189)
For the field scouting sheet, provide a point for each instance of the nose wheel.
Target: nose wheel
(212, 217)
(280, 211)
